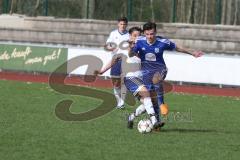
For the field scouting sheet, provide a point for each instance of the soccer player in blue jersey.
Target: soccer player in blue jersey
(132, 77)
(115, 38)
(149, 49)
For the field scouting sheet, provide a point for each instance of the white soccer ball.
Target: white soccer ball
(145, 126)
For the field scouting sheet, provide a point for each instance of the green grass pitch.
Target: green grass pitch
(29, 129)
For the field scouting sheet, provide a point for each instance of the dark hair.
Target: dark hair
(149, 26)
(135, 29)
(124, 19)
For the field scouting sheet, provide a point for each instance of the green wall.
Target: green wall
(31, 58)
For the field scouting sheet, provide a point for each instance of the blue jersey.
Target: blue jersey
(151, 55)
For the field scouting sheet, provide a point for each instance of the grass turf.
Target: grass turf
(199, 127)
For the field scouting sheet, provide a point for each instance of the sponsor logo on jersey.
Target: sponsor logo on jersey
(150, 57)
(156, 50)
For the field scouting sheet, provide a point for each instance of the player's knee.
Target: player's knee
(144, 92)
(157, 78)
(154, 99)
(116, 82)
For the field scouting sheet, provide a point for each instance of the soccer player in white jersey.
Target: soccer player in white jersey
(131, 71)
(150, 49)
(115, 39)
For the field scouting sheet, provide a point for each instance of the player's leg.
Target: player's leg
(156, 109)
(116, 81)
(159, 91)
(147, 102)
(154, 99)
(146, 106)
(116, 89)
(136, 86)
(148, 82)
(139, 110)
(160, 98)
(158, 85)
(133, 85)
(123, 94)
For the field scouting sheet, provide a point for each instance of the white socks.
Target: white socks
(117, 93)
(153, 119)
(140, 109)
(147, 102)
(123, 91)
(146, 106)
(150, 110)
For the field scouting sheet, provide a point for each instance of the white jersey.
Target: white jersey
(131, 66)
(117, 37)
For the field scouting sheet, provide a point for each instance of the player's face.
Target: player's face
(122, 26)
(150, 35)
(134, 35)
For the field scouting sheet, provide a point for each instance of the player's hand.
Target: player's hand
(197, 54)
(114, 50)
(118, 58)
(111, 47)
(96, 73)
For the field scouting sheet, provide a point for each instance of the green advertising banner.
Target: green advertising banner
(31, 58)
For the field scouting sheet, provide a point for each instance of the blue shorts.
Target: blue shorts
(116, 70)
(148, 77)
(133, 84)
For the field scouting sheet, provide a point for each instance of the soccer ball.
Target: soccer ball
(145, 126)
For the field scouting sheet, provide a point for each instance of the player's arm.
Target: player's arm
(110, 46)
(107, 67)
(131, 53)
(132, 50)
(189, 51)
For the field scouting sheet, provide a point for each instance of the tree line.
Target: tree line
(225, 12)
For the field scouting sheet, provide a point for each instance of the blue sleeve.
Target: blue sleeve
(168, 45)
(171, 46)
